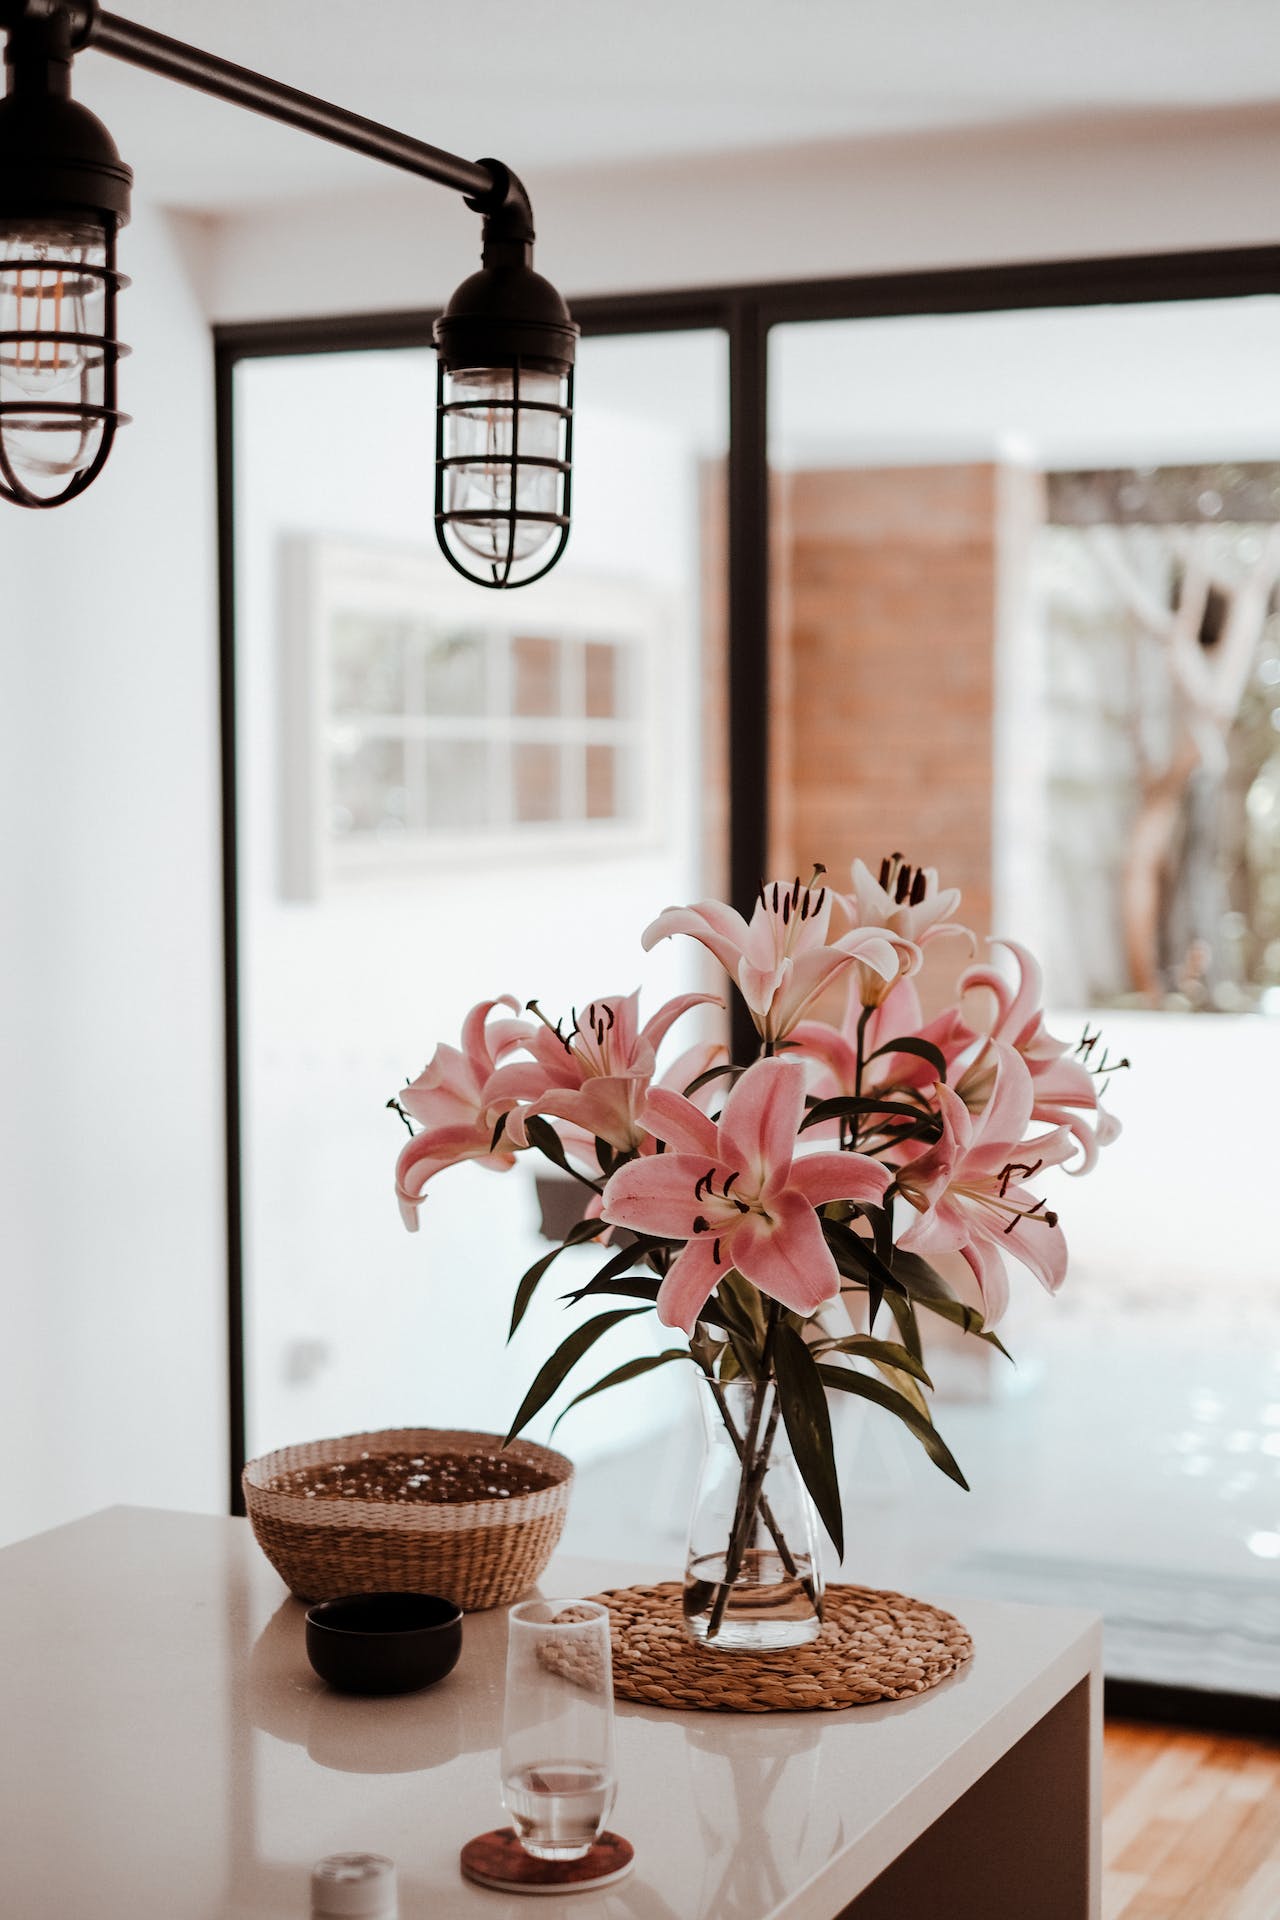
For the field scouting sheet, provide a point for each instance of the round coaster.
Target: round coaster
(873, 1646)
(498, 1860)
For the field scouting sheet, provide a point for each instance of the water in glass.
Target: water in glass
(558, 1777)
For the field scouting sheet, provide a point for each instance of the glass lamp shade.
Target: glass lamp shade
(503, 465)
(58, 356)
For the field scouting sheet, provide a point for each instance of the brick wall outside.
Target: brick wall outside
(889, 587)
(889, 626)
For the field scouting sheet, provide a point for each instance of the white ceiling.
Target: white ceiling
(586, 82)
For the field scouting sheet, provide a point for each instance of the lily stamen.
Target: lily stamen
(1025, 1169)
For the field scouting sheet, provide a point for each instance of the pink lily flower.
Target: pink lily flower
(784, 958)
(906, 901)
(598, 1076)
(905, 904)
(449, 1102)
(897, 1017)
(738, 1196)
(1063, 1090)
(967, 1188)
(683, 1071)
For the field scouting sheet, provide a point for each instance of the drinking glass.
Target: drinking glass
(558, 1776)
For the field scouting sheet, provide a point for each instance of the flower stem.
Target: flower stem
(863, 1018)
(755, 1461)
(785, 1554)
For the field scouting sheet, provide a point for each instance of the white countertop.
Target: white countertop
(167, 1754)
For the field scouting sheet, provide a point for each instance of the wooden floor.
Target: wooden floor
(1191, 1826)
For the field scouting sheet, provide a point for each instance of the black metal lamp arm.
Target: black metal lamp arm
(489, 187)
(505, 343)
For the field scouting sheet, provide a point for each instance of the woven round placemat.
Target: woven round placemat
(873, 1646)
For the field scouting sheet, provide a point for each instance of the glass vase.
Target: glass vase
(752, 1577)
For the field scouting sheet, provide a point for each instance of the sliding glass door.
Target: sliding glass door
(1027, 571)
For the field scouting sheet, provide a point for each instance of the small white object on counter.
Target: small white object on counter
(354, 1886)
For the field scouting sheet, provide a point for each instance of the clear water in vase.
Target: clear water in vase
(753, 1580)
(768, 1605)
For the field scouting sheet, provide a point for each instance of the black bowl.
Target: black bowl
(384, 1642)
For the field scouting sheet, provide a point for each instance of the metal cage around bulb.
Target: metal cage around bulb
(504, 469)
(58, 402)
(64, 195)
(506, 344)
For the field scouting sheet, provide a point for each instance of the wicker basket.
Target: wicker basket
(478, 1553)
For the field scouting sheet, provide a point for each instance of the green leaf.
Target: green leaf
(585, 1230)
(606, 1155)
(617, 1263)
(623, 1286)
(704, 1350)
(808, 1424)
(735, 1288)
(969, 1320)
(847, 1107)
(630, 1370)
(880, 1220)
(712, 1073)
(920, 1280)
(903, 1311)
(542, 1135)
(845, 1380)
(881, 1135)
(885, 1353)
(736, 1319)
(563, 1360)
(922, 1049)
(856, 1256)
(909, 1389)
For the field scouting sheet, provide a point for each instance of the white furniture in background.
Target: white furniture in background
(167, 1754)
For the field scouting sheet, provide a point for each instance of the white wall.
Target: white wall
(112, 1355)
(1049, 190)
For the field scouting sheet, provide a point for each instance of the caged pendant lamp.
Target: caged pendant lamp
(505, 342)
(64, 194)
(504, 413)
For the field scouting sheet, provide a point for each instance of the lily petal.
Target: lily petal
(690, 1282)
(838, 1176)
(991, 1274)
(427, 1154)
(655, 1029)
(762, 1114)
(600, 1106)
(787, 1257)
(680, 1124)
(657, 1193)
(721, 929)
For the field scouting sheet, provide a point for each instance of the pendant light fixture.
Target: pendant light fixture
(505, 342)
(504, 410)
(64, 193)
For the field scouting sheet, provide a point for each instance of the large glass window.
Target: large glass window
(1026, 572)
(448, 794)
(1028, 568)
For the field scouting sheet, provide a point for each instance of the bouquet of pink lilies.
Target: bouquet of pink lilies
(774, 1210)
